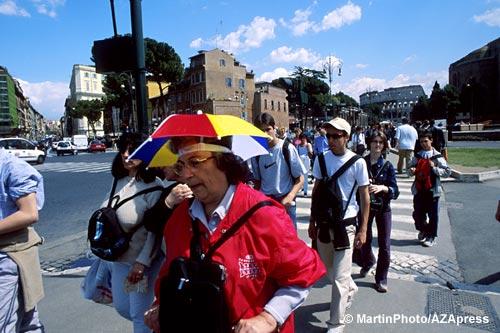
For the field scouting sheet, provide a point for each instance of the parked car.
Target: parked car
(54, 145)
(65, 147)
(96, 145)
(23, 149)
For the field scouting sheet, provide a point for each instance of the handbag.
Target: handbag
(96, 286)
(376, 201)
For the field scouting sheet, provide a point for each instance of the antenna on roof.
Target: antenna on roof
(217, 34)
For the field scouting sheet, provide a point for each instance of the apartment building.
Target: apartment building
(272, 100)
(85, 84)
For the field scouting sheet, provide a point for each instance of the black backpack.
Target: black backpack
(192, 295)
(286, 154)
(107, 238)
(327, 205)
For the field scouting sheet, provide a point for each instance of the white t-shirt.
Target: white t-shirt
(357, 172)
(406, 135)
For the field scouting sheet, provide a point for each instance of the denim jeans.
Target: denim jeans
(367, 259)
(426, 205)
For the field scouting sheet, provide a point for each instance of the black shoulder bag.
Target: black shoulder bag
(192, 294)
(107, 238)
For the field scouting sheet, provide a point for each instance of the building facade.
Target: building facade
(215, 82)
(85, 84)
(272, 100)
(17, 116)
(396, 103)
(477, 77)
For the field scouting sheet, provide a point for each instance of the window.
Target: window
(229, 82)
(94, 76)
(87, 85)
(265, 104)
(272, 105)
(279, 106)
(242, 84)
(222, 63)
(284, 107)
(86, 74)
(202, 76)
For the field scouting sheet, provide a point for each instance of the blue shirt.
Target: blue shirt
(17, 179)
(320, 144)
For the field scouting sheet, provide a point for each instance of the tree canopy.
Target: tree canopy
(91, 109)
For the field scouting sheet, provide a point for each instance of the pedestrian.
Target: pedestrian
(305, 152)
(428, 166)
(338, 259)
(134, 272)
(406, 136)
(279, 174)
(438, 141)
(21, 287)
(269, 270)
(320, 143)
(497, 214)
(358, 141)
(383, 188)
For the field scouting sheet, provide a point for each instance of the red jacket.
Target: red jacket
(264, 254)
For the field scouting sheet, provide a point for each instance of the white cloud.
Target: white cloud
(361, 85)
(46, 97)
(277, 73)
(361, 66)
(48, 7)
(300, 24)
(299, 56)
(10, 8)
(244, 38)
(490, 17)
(339, 17)
(409, 59)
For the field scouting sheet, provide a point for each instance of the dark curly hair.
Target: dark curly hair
(130, 141)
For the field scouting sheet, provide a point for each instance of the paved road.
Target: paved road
(474, 144)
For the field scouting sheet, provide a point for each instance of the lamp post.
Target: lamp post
(131, 89)
(329, 67)
(470, 87)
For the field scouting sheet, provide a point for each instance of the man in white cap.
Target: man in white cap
(336, 236)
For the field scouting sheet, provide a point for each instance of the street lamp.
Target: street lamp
(470, 87)
(329, 67)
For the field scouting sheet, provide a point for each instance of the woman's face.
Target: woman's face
(130, 165)
(377, 144)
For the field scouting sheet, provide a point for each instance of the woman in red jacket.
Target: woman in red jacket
(269, 269)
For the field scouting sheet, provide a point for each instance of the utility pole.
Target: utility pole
(140, 70)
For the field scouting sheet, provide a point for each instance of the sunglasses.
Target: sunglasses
(334, 136)
(378, 142)
(191, 164)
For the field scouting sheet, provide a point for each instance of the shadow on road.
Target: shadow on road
(305, 317)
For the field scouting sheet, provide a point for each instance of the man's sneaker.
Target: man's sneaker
(421, 236)
(381, 287)
(364, 272)
(429, 242)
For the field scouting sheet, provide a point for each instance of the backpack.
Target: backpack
(107, 238)
(192, 297)
(327, 206)
(423, 173)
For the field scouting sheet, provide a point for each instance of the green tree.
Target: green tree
(163, 65)
(438, 103)
(90, 109)
(420, 109)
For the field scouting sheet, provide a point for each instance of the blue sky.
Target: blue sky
(380, 43)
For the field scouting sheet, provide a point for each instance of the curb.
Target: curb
(471, 177)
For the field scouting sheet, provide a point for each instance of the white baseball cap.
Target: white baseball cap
(339, 124)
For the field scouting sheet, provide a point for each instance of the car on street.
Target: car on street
(96, 145)
(65, 147)
(54, 145)
(23, 149)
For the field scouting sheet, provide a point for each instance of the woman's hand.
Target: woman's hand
(136, 273)
(261, 323)
(152, 318)
(177, 195)
(377, 189)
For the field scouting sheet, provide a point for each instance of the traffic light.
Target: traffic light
(115, 54)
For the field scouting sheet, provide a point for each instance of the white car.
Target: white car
(54, 145)
(23, 149)
(65, 147)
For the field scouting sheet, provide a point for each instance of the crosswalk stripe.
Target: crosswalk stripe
(74, 167)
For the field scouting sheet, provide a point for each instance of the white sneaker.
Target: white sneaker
(421, 237)
(429, 242)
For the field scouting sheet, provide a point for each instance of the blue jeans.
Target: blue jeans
(13, 317)
(132, 305)
(367, 259)
(292, 212)
(426, 205)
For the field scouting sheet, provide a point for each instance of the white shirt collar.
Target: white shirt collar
(197, 210)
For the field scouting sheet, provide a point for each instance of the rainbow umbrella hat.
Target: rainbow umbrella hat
(247, 140)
